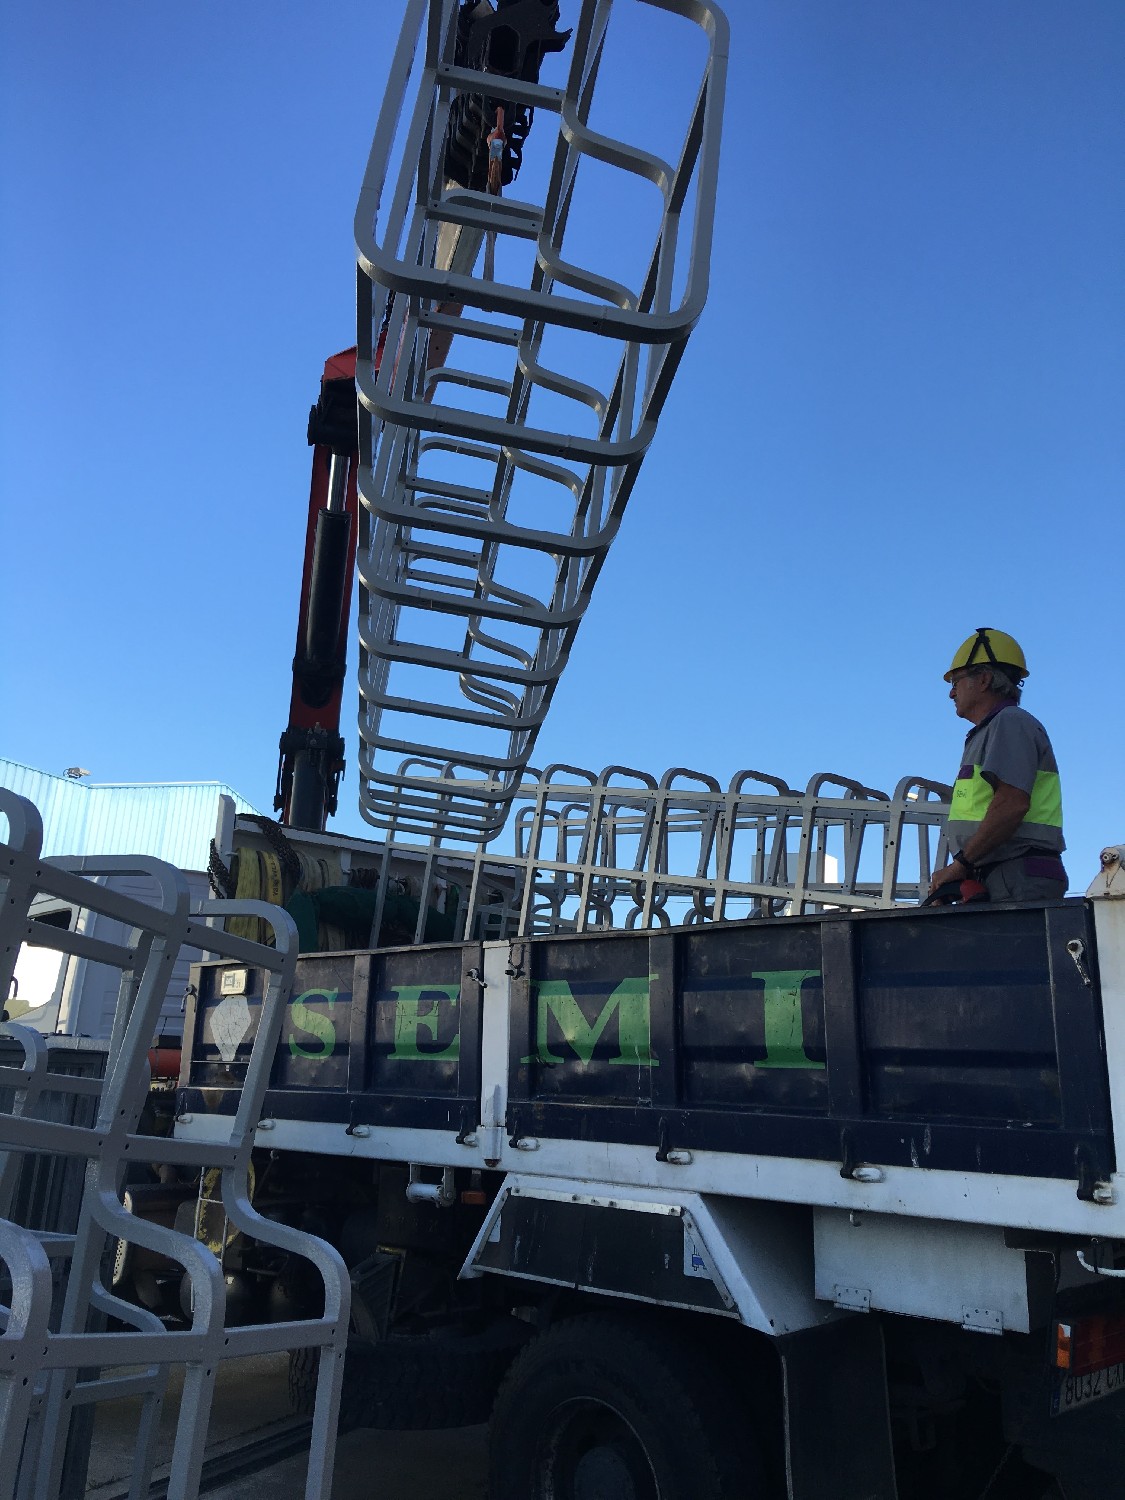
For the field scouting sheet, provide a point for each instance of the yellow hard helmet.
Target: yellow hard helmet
(989, 648)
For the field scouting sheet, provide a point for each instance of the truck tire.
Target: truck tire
(415, 1383)
(617, 1408)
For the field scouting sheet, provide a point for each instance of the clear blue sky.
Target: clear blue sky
(901, 416)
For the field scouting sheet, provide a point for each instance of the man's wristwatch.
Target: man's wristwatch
(962, 858)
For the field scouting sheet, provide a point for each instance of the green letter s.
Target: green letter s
(315, 1024)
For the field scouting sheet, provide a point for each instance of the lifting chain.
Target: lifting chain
(275, 837)
(218, 875)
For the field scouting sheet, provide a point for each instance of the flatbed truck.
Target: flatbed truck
(822, 1206)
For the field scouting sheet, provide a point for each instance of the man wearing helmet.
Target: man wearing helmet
(1005, 820)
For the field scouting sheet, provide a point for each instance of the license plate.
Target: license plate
(1072, 1391)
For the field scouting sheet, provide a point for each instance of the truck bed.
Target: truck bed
(966, 1041)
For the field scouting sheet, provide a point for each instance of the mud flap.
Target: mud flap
(837, 1415)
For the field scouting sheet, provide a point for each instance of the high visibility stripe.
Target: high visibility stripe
(972, 797)
(1046, 800)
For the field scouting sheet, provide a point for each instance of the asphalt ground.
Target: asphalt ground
(251, 1405)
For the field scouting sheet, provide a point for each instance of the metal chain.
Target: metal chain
(218, 876)
(274, 836)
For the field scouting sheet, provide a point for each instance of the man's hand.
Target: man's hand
(955, 871)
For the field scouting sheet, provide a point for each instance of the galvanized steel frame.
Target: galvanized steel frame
(443, 546)
(621, 848)
(45, 1354)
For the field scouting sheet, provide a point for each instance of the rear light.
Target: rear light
(1092, 1343)
(1062, 1346)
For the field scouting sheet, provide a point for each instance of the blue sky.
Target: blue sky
(900, 418)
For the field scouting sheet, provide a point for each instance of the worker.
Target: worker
(1004, 829)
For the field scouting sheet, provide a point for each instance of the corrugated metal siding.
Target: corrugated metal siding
(62, 804)
(171, 821)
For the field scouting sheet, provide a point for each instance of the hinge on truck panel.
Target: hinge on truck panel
(981, 1320)
(853, 1298)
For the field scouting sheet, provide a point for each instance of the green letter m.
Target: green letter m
(630, 1000)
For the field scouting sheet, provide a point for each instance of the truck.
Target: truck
(827, 1205)
(738, 1175)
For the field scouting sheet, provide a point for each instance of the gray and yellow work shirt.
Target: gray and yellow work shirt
(1008, 746)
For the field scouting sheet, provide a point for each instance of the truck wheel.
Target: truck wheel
(415, 1383)
(612, 1408)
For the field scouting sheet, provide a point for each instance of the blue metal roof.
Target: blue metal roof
(174, 821)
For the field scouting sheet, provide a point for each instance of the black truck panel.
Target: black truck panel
(964, 1039)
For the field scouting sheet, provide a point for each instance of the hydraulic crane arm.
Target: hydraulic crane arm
(312, 750)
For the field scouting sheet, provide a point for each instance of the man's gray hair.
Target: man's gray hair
(1005, 683)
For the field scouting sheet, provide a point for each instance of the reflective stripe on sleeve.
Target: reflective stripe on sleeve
(1046, 800)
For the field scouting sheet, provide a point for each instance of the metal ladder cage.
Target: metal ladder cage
(492, 488)
(619, 848)
(622, 849)
(46, 1353)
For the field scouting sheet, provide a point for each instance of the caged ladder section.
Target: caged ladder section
(56, 1354)
(513, 360)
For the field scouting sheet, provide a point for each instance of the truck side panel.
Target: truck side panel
(966, 1040)
(371, 1039)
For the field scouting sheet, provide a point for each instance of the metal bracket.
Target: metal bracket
(441, 1194)
(664, 1149)
(1093, 1183)
(515, 961)
(847, 1153)
(1077, 950)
